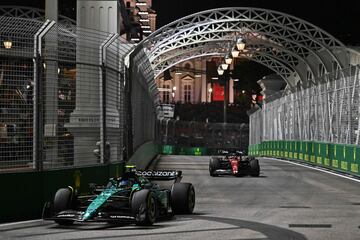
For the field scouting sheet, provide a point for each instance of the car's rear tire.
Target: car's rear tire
(143, 206)
(182, 198)
(255, 168)
(62, 202)
(214, 164)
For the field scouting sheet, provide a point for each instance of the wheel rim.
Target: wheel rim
(191, 199)
(151, 208)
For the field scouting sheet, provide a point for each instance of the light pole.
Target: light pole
(224, 71)
(224, 75)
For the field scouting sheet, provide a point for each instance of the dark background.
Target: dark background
(339, 18)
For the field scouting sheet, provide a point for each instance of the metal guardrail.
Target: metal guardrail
(328, 112)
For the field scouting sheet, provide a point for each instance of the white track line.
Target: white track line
(16, 223)
(317, 169)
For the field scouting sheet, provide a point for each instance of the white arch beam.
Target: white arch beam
(288, 57)
(177, 56)
(286, 26)
(277, 66)
(221, 33)
(245, 13)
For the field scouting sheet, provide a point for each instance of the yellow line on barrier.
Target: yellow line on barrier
(354, 154)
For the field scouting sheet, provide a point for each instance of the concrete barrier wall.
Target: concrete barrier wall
(339, 157)
(144, 155)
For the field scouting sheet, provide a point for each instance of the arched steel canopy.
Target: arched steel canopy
(273, 39)
(288, 58)
(286, 71)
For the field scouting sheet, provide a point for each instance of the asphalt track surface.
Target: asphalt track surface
(286, 202)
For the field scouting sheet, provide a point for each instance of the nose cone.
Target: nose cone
(98, 202)
(86, 216)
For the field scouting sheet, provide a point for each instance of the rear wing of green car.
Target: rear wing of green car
(161, 174)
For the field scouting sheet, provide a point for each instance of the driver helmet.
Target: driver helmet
(125, 183)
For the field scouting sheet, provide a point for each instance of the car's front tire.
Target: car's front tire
(143, 206)
(255, 168)
(62, 202)
(213, 166)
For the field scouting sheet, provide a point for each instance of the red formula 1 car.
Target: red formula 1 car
(233, 163)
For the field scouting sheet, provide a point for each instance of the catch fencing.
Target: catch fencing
(16, 90)
(328, 112)
(66, 98)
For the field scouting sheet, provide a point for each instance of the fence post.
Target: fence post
(357, 75)
(128, 141)
(105, 145)
(349, 112)
(37, 97)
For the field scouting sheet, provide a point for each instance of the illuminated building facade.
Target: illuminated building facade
(142, 18)
(193, 82)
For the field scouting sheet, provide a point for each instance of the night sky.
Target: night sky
(340, 18)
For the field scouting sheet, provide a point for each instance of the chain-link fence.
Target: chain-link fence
(62, 96)
(16, 91)
(200, 134)
(329, 112)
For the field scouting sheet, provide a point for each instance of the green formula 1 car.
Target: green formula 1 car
(135, 197)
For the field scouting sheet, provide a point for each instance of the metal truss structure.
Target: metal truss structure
(35, 14)
(280, 63)
(295, 49)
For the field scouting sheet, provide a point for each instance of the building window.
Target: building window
(187, 93)
(166, 93)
